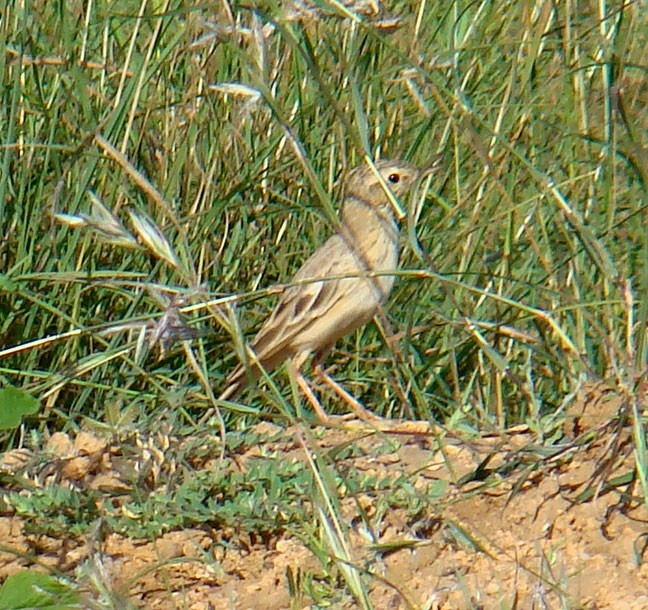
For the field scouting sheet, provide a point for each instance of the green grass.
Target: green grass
(524, 277)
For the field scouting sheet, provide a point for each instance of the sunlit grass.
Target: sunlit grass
(214, 142)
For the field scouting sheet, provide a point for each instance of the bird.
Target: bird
(340, 287)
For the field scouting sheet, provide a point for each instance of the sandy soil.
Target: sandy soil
(526, 539)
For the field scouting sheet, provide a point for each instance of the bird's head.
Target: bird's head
(370, 185)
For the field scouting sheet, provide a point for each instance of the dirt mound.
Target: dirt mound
(516, 525)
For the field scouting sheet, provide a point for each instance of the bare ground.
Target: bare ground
(567, 532)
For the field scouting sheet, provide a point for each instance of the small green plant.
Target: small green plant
(31, 590)
(14, 405)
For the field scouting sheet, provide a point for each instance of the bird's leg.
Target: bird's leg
(354, 403)
(374, 421)
(338, 390)
(308, 392)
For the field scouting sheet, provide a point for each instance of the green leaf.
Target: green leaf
(6, 284)
(14, 404)
(28, 589)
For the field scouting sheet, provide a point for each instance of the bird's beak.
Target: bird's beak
(433, 166)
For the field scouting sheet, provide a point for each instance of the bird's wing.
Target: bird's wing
(302, 305)
(299, 307)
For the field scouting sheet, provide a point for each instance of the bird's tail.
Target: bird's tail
(243, 376)
(236, 383)
(238, 380)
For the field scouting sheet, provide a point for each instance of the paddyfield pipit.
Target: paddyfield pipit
(340, 287)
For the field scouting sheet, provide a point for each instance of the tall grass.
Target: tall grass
(228, 130)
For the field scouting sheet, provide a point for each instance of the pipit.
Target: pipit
(339, 288)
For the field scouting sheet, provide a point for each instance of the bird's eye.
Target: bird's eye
(394, 178)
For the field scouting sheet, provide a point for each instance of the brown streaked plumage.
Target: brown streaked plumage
(311, 316)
